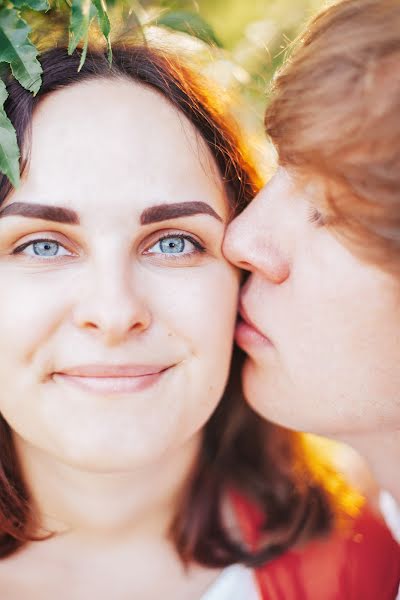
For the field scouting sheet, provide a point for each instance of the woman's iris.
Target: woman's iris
(172, 245)
(45, 248)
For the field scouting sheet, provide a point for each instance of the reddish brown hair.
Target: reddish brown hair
(239, 451)
(335, 113)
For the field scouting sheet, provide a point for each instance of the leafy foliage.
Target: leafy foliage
(32, 4)
(104, 23)
(9, 152)
(242, 44)
(190, 23)
(20, 54)
(82, 14)
(18, 51)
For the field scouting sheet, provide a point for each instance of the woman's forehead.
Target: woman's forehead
(115, 139)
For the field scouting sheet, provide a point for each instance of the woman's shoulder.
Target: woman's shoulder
(358, 559)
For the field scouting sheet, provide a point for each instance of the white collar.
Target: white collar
(391, 513)
(234, 583)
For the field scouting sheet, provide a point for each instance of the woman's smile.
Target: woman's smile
(113, 379)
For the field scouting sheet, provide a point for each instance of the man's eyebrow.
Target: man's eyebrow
(41, 211)
(163, 212)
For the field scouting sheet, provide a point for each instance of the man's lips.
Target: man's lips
(112, 379)
(247, 334)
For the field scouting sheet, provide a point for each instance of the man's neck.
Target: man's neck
(382, 452)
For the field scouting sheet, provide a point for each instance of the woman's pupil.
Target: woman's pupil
(48, 248)
(172, 244)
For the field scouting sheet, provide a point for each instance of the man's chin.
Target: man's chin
(257, 389)
(266, 399)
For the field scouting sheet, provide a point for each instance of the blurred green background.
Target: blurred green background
(249, 41)
(238, 44)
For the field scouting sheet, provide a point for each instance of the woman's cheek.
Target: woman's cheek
(203, 319)
(201, 310)
(31, 307)
(222, 302)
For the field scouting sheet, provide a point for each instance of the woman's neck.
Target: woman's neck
(106, 505)
(112, 531)
(382, 452)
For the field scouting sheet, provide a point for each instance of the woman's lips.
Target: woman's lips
(112, 380)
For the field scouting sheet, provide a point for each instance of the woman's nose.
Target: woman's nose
(112, 306)
(251, 243)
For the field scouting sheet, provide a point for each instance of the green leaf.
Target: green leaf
(190, 23)
(104, 23)
(32, 4)
(82, 13)
(17, 50)
(9, 152)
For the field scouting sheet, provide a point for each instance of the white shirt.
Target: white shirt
(234, 583)
(391, 513)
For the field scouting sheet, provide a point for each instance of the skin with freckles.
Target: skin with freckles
(105, 452)
(320, 325)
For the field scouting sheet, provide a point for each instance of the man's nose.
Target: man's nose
(250, 244)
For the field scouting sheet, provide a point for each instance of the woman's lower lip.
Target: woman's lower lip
(247, 336)
(106, 386)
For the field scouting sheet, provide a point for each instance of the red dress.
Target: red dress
(359, 563)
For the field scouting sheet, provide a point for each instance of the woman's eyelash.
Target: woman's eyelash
(199, 247)
(182, 236)
(22, 247)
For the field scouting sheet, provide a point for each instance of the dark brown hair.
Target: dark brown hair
(335, 113)
(264, 463)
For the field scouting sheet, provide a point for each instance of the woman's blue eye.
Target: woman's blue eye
(175, 244)
(172, 245)
(45, 248)
(42, 249)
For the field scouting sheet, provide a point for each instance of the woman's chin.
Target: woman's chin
(118, 458)
(107, 454)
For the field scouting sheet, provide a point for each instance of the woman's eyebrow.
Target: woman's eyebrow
(41, 211)
(153, 214)
(163, 212)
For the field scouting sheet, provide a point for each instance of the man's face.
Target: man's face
(320, 326)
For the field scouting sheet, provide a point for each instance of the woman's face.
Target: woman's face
(117, 308)
(324, 348)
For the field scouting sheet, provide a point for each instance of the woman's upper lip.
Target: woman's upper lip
(103, 370)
